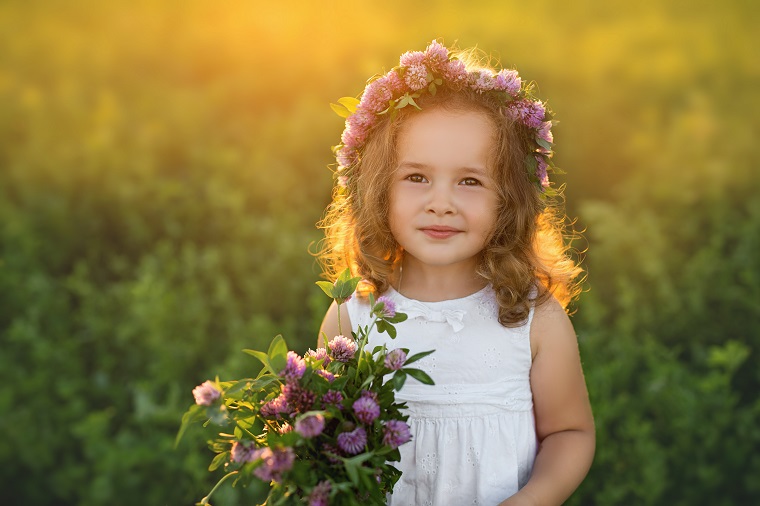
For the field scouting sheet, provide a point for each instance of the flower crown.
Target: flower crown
(422, 72)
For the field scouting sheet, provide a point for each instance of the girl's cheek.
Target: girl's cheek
(403, 188)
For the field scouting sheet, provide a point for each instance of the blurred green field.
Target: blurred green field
(162, 165)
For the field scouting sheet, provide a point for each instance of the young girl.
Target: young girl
(443, 206)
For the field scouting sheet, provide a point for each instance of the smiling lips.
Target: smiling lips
(439, 232)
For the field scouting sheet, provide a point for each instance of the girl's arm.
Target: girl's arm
(564, 423)
(330, 324)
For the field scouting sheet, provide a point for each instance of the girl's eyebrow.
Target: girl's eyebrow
(412, 165)
(482, 171)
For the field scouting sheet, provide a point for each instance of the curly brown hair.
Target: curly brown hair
(529, 241)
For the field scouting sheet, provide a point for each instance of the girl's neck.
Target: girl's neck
(434, 284)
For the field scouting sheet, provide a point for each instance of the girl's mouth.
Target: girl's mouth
(438, 232)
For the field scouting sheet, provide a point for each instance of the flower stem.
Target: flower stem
(340, 329)
(371, 326)
(362, 343)
(224, 478)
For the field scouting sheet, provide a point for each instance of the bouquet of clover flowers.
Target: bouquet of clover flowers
(320, 429)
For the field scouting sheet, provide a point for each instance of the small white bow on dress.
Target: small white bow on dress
(453, 317)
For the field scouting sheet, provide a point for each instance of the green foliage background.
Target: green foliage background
(162, 165)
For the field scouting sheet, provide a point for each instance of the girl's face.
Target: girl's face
(442, 197)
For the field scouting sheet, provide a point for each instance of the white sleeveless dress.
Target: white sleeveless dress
(473, 432)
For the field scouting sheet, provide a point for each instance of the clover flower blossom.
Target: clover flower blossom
(483, 81)
(295, 367)
(342, 348)
(285, 428)
(545, 132)
(206, 393)
(396, 433)
(352, 442)
(394, 82)
(311, 426)
(361, 120)
(530, 112)
(455, 72)
(411, 58)
(395, 359)
(320, 494)
(241, 453)
(319, 354)
(353, 136)
(376, 96)
(508, 80)
(436, 55)
(389, 307)
(298, 398)
(275, 462)
(325, 374)
(536, 114)
(369, 393)
(346, 156)
(332, 398)
(349, 138)
(541, 173)
(275, 407)
(366, 409)
(416, 77)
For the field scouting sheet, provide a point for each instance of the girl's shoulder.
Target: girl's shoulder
(550, 323)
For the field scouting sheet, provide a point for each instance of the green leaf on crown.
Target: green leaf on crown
(531, 162)
(340, 110)
(350, 103)
(557, 170)
(544, 143)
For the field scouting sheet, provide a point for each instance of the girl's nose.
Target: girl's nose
(440, 201)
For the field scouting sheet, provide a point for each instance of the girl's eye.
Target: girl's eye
(416, 178)
(470, 181)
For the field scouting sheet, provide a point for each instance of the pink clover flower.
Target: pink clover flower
(352, 442)
(342, 348)
(206, 393)
(311, 426)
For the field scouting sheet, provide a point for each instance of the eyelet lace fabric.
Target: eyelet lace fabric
(474, 438)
